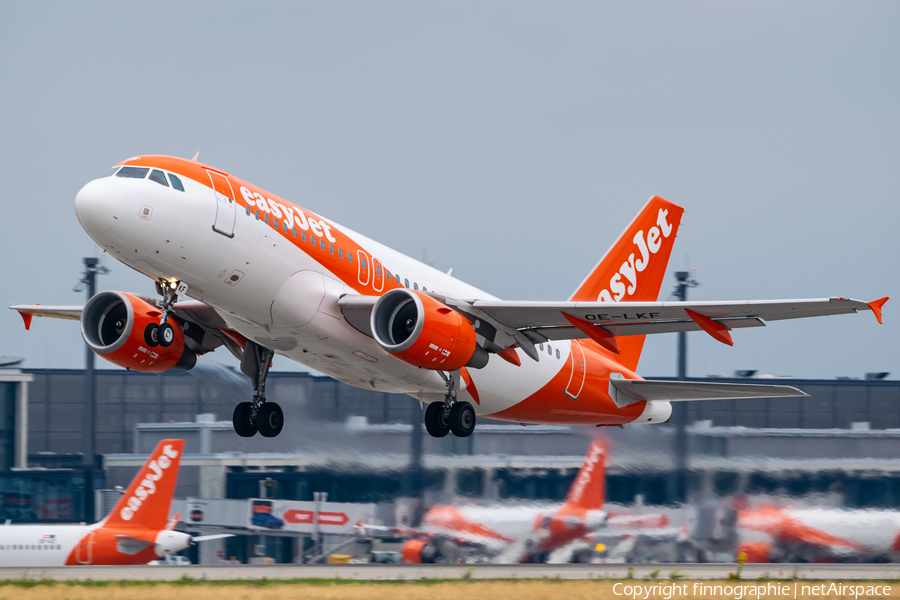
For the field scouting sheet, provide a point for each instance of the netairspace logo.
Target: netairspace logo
(741, 591)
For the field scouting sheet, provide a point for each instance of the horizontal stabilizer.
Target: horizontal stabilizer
(206, 538)
(131, 545)
(628, 391)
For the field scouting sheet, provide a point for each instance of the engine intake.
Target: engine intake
(423, 332)
(113, 325)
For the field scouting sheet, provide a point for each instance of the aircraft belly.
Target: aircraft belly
(501, 385)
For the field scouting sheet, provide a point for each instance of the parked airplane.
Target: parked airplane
(137, 530)
(771, 533)
(269, 277)
(527, 533)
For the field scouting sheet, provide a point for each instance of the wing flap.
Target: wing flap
(628, 391)
(571, 333)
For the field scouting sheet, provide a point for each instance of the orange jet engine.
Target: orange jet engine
(424, 332)
(116, 326)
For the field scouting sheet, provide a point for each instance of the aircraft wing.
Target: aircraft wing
(548, 319)
(54, 312)
(211, 332)
(525, 324)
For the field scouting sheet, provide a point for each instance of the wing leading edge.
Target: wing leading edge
(548, 320)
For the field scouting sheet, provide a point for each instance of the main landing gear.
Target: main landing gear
(164, 334)
(258, 415)
(450, 415)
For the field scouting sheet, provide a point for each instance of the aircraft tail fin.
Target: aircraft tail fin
(634, 268)
(588, 491)
(148, 499)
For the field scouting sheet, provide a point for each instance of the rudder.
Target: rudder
(148, 499)
(634, 268)
(588, 491)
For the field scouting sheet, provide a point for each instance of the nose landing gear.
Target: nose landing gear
(265, 417)
(451, 414)
(164, 334)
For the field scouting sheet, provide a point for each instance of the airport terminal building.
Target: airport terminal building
(368, 447)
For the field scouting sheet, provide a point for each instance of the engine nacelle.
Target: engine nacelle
(113, 326)
(425, 333)
(417, 552)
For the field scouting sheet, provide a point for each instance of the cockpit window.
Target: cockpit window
(176, 183)
(133, 172)
(111, 172)
(159, 177)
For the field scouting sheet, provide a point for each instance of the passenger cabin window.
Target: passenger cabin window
(176, 183)
(159, 177)
(362, 259)
(557, 354)
(247, 208)
(331, 248)
(133, 172)
(340, 253)
(415, 285)
(378, 270)
(350, 257)
(295, 232)
(321, 243)
(406, 283)
(111, 172)
(303, 235)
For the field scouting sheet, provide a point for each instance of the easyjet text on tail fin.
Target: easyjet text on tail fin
(588, 489)
(634, 268)
(148, 499)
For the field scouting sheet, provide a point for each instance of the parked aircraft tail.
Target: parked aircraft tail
(148, 499)
(588, 490)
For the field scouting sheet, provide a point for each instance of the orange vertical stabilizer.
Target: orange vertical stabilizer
(634, 268)
(148, 499)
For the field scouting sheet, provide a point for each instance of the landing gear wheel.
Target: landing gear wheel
(151, 335)
(244, 425)
(437, 422)
(166, 335)
(462, 419)
(269, 419)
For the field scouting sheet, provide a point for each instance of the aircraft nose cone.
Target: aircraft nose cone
(99, 205)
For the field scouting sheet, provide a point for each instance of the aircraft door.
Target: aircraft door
(226, 207)
(577, 369)
(85, 553)
(363, 261)
(378, 276)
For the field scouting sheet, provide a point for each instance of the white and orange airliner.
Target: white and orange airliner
(265, 276)
(137, 530)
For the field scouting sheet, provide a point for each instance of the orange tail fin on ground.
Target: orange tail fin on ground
(588, 491)
(148, 499)
(634, 268)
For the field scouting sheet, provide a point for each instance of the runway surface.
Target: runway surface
(844, 572)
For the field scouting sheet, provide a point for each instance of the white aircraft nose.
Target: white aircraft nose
(99, 205)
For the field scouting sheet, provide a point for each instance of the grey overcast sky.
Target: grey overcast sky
(514, 140)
